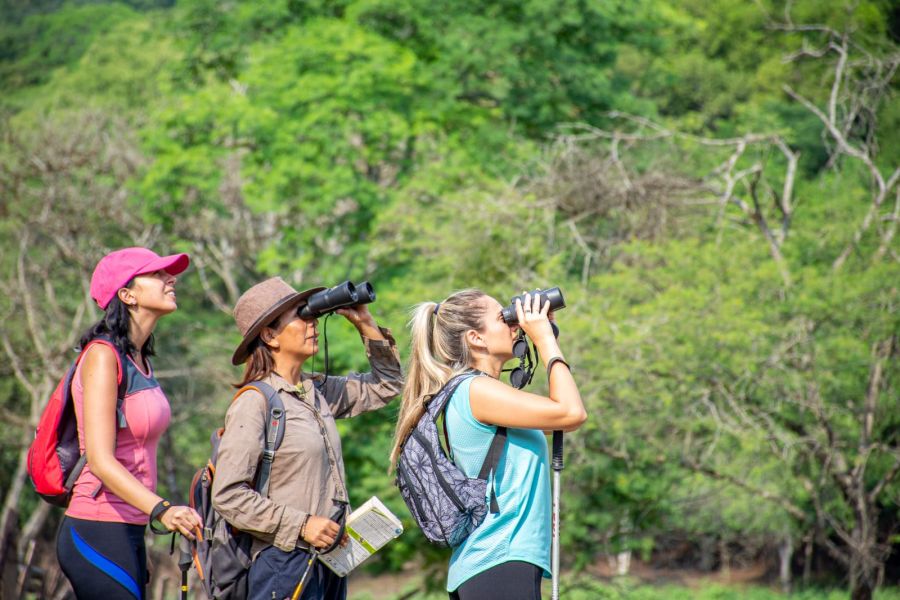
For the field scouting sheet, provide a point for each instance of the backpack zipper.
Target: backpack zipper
(415, 497)
(444, 539)
(448, 489)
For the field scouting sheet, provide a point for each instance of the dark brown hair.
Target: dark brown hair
(259, 365)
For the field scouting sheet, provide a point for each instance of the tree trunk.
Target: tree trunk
(34, 526)
(9, 520)
(808, 559)
(725, 557)
(9, 576)
(623, 563)
(864, 560)
(707, 553)
(785, 553)
(862, 591)
(169, 462)
(863, 575)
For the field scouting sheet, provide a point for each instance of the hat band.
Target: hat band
(269, 315)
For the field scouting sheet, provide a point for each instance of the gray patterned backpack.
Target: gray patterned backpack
(445, 503)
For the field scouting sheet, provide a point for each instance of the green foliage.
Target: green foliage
(587, 589)
(31, 50)
(407, 143)
(538, 62)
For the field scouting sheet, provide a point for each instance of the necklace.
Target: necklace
(486, 374)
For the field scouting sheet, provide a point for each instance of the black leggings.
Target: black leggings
(103, 560)
(514, 580)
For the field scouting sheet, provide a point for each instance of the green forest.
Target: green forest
(715, 186)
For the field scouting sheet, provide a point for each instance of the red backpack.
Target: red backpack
(54, 459)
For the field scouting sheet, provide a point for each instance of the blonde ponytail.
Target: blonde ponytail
(438, 352)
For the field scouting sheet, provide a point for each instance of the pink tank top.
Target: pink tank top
(147, 415)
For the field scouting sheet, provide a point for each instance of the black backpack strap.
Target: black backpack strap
(447, 437)
(491, 460)
(274, 434)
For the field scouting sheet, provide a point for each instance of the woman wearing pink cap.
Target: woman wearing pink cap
(100, 544)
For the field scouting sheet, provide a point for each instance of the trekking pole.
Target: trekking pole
(309, 566)
(185, 558)
(557, 468)
(339, 516)
(184, 585)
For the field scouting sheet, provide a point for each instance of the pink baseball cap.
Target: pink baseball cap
(118, 268)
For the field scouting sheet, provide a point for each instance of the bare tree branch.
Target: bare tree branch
(791, 508)
(16, 363)
(862, 95)
(726, 176)
(890, 229)
(886, 479)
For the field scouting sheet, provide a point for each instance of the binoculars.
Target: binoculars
(339, 296)
(554, 295)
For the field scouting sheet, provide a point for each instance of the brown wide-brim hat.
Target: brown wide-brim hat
(262, 304)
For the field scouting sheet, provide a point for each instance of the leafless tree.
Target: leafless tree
(64, 192)
(750, 187)
(66, 203)
(834, 464)
(844, 470)
(225, 236)
(861, 83)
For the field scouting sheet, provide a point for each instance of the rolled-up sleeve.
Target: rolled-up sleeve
(357, 393)
(233, 495)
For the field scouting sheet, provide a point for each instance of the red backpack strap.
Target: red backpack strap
(121, 380)
(122, 384)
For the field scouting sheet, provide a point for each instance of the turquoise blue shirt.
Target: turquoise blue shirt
(522, 528)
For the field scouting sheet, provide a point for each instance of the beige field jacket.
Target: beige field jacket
(308, 469)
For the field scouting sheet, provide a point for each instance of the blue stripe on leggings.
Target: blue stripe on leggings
(105, 565)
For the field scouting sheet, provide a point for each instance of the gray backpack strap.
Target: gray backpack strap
(498, 442)
(274, 434)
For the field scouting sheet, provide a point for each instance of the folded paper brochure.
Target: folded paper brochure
(369, 528)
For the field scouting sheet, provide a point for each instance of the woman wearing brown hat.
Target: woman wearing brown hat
(306, 484)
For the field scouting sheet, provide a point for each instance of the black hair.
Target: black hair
(114, 326)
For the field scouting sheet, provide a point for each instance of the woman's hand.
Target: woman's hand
(183, 519)
(363, 320)
(320, 532)
(534, 319)
(359, 315)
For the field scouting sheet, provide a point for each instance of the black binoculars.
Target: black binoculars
(554, 295)
(339, 296)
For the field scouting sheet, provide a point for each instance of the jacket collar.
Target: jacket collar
(280, 384)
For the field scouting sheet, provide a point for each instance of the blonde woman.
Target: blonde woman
(506, 556)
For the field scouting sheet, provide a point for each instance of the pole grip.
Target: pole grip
(558, 451)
